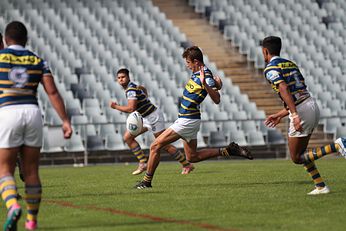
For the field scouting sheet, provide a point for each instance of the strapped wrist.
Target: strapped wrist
(294, 115)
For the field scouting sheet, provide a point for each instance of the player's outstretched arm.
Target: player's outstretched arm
(130, 107)
(58, 103)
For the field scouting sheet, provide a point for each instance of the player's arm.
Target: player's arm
(274, 119)
(130, 107)
(214, 94)
(57, 102)
(282, 113)
(288, 99)
(218, 82)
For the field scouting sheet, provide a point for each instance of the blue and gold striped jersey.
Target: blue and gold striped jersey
(194, 94)
(20, 73)
(144, 106)
(282, 70)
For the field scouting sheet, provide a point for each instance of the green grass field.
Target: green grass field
(218, 195)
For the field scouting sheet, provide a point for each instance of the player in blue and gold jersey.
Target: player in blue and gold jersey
(187, 125)
(282, 70)
(19, 162)
(194, 94)
(303, 112)
(21, 122)
(137, 100)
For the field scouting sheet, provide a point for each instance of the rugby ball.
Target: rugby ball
(134, 123)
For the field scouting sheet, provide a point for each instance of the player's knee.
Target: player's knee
(155, 147)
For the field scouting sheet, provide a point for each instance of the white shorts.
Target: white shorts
(155, 121)
(309, 114)
(186, 128)
(20, 125)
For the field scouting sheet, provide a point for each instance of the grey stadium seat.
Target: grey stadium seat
(114, 142)
(74, 144)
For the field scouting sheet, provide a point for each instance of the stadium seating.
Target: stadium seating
(103, 35)
(317, 47)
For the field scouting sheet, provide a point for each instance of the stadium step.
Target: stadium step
(260, 94)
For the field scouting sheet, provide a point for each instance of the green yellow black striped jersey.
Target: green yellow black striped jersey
(282, 70)
(20, 73)
(194, 94)
(144, 106)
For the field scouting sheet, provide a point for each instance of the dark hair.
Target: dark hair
(1, 39)
(17, 32)
(273, 44)
(123, 71)
(193, 53)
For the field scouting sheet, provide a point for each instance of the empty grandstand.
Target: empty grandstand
(86, 41)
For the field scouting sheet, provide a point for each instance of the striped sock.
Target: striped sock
(179, 156)
(337, 147)
(33, 198)
(313, 154)
(148, 177)
(223, 152)
(138, 152)
(8, 191)
(310, 167)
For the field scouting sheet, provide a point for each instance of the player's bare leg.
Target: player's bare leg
(232, 149)
(194, 156)
(167, 137)
(130, 140)
(297, 147)
(177, 155)
(8, 189)
(33, 187)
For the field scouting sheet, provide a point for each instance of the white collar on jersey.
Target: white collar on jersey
(17, 47)
(274, 57)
